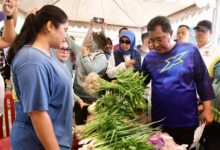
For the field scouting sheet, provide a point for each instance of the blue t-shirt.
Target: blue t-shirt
(176, 75)
(43, 83)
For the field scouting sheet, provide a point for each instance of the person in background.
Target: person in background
(7, 34)
(90, 59)
(42, 84)
(211, 138)
(108, 48)
(144, 50)
(183, 33)
(203, 32)
(125, 57)
(10, 13)
(121, 30)
(175, 69)
(63, 54)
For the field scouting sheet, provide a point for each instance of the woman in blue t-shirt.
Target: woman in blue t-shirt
(42, 84)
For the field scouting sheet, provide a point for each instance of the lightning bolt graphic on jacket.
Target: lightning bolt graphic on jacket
(172, 61)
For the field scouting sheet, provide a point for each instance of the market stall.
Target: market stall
(114, 121)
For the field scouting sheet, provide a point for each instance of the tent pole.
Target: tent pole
(215, 23)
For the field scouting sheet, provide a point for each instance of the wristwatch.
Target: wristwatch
(9, 17)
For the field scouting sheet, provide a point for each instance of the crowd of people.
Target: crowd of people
(48, 70)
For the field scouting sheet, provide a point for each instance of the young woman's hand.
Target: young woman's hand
(82, 103)
(85, 51)
(92, 23)
(9, 7)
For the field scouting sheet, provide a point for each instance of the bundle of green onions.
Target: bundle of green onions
(128, 85)
(115, 125)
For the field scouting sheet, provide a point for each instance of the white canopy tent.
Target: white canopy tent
(131, 13)
(134, 14)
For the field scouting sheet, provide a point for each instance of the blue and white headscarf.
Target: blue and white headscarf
(131, 36)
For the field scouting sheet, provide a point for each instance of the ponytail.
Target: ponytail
(27, 35)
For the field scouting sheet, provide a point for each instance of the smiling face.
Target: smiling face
(161, 41)
(125, 43)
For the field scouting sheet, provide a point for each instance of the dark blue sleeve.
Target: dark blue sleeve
(137, 57)
(202, 79)
(145, 71)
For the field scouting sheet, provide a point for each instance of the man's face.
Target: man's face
(183, 34)
(160, 40)
(202, 34)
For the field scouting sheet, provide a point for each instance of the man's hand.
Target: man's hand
(206, 116)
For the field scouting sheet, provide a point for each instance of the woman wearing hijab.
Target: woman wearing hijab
(125, 57)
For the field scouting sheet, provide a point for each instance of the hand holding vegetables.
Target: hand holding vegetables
(129, 63)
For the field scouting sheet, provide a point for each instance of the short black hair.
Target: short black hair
(109, 41)
(138, 46)
(144, 35)
(159, 21)
(183, 25)
(123, 28)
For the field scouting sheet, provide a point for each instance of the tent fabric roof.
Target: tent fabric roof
(130, 13)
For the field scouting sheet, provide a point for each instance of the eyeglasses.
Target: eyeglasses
(64, 50)
(124, 41)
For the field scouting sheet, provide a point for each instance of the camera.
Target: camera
(98, 20)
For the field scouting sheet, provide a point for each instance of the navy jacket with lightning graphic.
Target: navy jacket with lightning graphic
(176, 76)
